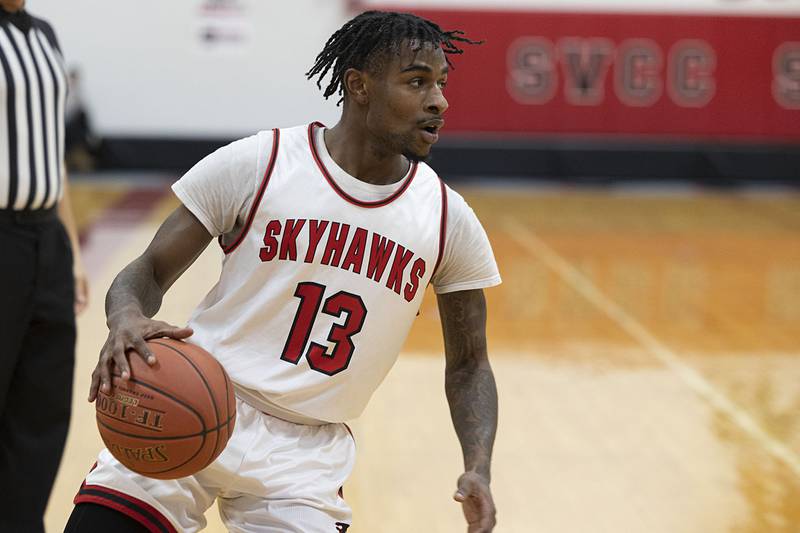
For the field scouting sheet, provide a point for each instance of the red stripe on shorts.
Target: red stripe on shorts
(145, 514)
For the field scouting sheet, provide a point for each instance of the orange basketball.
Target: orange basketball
(171, 419)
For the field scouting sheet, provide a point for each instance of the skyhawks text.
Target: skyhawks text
(354, 249)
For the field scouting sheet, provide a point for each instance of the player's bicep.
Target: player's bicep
(177, 244)
(463, 316)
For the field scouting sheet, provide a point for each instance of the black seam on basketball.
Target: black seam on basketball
(129, 504)
(202, 434)
(150, 472)
(205, 382)
(171, 397)
(149, 437)
(131, 424)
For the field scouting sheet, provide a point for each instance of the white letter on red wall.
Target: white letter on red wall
(786, 71)
(531, 70)
(691, 73)
(585, 63)
(637, 72)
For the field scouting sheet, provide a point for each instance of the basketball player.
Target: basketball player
(330, 237)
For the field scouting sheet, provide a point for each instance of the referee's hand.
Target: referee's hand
(81, 291)
(127, 335)
(476, 501)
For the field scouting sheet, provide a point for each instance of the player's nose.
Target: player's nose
(436, 103)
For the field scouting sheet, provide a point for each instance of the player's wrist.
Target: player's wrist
(483, 472)
(124, 315)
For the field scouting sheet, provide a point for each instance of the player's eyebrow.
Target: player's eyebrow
(422, 67)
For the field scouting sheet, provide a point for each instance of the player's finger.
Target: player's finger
(464, 490)
(180, 333)
(121, 362)
(480, 528)
(95, 385)
(487, 521)
(162, 329)
(487, 512)
(105, 371)
(140, 347)
(483, 525)
(116, 356)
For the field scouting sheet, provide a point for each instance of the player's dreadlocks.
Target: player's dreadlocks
(372, 33)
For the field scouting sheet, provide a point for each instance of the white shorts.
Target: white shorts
(273, 476)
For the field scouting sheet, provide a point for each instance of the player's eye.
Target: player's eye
(443, 84)
(416, 82)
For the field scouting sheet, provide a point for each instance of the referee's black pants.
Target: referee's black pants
(37, 353)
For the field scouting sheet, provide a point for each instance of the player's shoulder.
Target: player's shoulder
(299, 128)
(47, 29)
(425, 173)
(242, 146)
(291, 137)
(453, 197)
(264, 137)
(457, 207)
(458, 210)
(255, 142)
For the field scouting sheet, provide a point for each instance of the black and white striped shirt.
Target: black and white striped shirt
(33, 89)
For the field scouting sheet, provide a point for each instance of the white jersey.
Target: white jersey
(318, 288)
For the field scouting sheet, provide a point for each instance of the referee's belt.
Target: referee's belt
(28, 216)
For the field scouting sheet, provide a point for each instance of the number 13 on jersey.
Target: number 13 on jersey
(341, 335)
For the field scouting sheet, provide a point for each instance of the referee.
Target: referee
(42, 287)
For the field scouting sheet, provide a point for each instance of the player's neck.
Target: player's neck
(352, 149)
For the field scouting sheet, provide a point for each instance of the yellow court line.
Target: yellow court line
(694, 380)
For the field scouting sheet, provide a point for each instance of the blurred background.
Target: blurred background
(636, 165)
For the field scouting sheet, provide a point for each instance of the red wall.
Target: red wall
(667, 76)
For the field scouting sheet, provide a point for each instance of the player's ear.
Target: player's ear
(355, 85)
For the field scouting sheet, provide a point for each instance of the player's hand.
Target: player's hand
(129, 337)
(476, 501)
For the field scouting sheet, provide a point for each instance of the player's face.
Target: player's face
(406, 107)
(12, 5)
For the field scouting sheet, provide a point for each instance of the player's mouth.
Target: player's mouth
(430, 130)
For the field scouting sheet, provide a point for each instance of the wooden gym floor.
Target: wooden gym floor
(646, 345)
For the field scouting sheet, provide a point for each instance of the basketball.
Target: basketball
(172, 419)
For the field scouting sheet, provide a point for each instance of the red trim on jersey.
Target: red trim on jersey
(352, 435)
(442, 228)
(339, 191)
(276, 139)
(144, 513)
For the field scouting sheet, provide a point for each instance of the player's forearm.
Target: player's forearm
(469, 381)
(134, 292)
(472, 395)
(139, 289)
